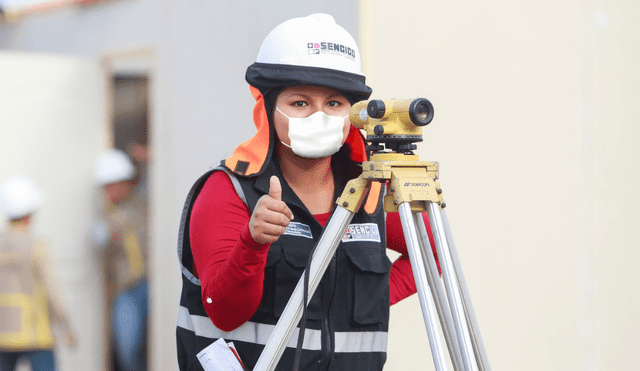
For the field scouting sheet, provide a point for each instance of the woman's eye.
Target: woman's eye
(299, 103)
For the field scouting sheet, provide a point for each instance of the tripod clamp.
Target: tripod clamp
(410, 180)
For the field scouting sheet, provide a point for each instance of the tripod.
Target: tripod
(414, 188)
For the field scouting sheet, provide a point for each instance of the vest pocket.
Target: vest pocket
(288, 273)
(368, 289)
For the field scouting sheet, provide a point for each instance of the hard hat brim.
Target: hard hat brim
(266, 76)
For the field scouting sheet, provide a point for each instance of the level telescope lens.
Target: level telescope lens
(421, 111)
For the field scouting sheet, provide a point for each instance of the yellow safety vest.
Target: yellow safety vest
(127, 256)
(24, 299)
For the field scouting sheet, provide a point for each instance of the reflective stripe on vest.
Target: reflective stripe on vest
(257, 333)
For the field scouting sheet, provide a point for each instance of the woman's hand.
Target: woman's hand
(271, 216)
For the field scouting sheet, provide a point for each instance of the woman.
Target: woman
(249, 225)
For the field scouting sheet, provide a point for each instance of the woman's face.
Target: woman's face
(304, 100)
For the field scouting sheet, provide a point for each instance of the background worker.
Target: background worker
(249, 226)
(122, 237)
(30, 305)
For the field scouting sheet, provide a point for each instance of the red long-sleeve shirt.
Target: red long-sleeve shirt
(230, 264)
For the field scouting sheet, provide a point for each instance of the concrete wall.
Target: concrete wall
(535, 129)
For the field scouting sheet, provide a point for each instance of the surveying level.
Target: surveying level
(395, 123)
(413, 188)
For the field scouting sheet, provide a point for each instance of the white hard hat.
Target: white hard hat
(310, 50)
(312, 41)
(114, 166)
(19, 197)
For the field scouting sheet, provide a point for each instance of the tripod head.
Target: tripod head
(394, 124)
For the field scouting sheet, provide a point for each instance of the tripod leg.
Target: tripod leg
(438, 294)
(476, 337)
(327, 245)
(452, 286)
(426, 301)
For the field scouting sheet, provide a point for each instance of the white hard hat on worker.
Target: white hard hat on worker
(312, 41)
(115, 172)
(19, 197)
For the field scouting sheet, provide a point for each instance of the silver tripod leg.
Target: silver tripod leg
(476, 337)
(326, 248)
(420, 275)
(438, 294)
(452, 286)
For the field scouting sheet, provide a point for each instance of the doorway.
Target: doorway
(128, 77)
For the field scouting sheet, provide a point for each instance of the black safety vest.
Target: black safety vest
(347, 317)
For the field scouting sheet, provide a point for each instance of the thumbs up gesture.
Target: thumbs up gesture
(271, 215)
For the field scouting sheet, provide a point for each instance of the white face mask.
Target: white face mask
(315, 136)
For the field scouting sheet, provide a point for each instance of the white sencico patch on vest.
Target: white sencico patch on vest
(298, 229)
(362, 232)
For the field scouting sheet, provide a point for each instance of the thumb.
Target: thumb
(275, 189)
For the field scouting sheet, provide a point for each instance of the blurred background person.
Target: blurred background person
(123, 241)
(29, 304)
